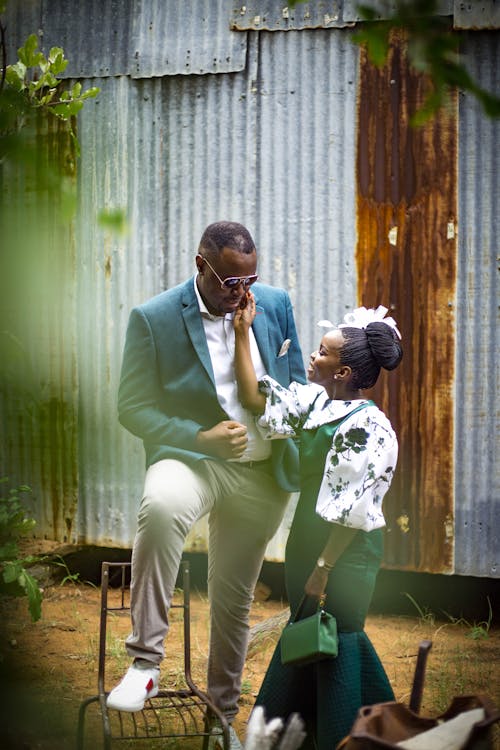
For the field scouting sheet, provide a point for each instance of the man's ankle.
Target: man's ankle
(144, 664)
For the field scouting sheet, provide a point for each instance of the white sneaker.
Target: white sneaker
(136, 687)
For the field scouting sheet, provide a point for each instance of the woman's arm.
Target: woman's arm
(358, 472)
(339, 539)
(248, 386)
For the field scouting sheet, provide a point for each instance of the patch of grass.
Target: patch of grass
(477, 630)
(246, 687)
(425, 614)
(70, 577)
(466, 673)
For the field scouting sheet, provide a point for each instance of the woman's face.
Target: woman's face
(325, 362)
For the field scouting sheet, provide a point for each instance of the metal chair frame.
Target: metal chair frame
(190, 708)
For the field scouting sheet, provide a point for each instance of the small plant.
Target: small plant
(70, 577)
(34, 78)
(14, 524)
(477, 630)
(481, 630)
(424, 613)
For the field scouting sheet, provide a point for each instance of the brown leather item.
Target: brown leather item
(383, 725)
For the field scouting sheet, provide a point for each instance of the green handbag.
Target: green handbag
(312, 639)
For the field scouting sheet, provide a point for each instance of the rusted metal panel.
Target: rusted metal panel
(140, 38)
(406, 259)
(480, 14)
(268, 15)
(383, 8)
(260, 15)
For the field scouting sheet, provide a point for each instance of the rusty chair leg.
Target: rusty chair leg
(419, 677)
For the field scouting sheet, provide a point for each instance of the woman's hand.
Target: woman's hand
(316, 583)
(245, 314)
(248, 387)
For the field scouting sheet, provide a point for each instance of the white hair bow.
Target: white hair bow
(361, 317)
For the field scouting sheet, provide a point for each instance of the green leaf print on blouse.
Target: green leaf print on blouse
(354, 439)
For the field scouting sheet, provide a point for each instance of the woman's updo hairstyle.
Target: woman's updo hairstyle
(366, 350)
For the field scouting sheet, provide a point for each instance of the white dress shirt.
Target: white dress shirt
(219, 331)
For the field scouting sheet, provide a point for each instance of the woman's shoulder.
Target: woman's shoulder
(377, 424)
(362, 413)
(375, 413)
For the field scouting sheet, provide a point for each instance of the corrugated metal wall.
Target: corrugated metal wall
(477, 466)
(180, 152)
(406, 259)
(269, 140)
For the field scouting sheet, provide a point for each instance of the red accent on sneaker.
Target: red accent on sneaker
(150, 685)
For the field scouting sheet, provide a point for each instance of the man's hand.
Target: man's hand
(227, 439)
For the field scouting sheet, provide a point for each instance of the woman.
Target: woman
(348, 453)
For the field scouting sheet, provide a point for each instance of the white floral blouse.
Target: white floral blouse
(360, 464)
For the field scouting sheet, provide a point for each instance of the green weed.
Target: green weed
(477, 630)
(424, 613)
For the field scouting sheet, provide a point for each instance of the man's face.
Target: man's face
(228, 263)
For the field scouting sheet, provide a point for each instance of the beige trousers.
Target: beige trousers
(245, 507)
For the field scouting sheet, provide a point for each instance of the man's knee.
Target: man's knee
(172, 496)
(158, 506)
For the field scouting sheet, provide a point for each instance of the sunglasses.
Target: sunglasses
(232, 282)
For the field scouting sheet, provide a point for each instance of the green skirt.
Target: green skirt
(328, 694)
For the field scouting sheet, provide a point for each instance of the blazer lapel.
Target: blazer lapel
(194, 327)
(196, 332)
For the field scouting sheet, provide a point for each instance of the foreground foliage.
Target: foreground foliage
(14, 524)
(433, 48)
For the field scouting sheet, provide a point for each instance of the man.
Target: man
(204, 455)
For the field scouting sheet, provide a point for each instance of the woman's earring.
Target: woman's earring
(335, 377)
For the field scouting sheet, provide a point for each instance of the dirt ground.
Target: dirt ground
(50, 666)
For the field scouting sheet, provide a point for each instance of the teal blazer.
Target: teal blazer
(167, 390)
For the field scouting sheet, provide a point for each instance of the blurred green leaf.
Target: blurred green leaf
(376, 41)
(15, 523)
(11, 571)
(33, 593)
(28, 52)
(67, 110)
(90, 93)
(114, 220)
(58, 63)
(367, 13)
(14, 75)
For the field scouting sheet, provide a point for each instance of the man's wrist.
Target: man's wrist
(200, 438)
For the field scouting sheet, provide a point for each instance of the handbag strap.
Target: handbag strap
(298, 611)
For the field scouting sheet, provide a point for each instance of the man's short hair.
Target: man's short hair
(230, 234)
